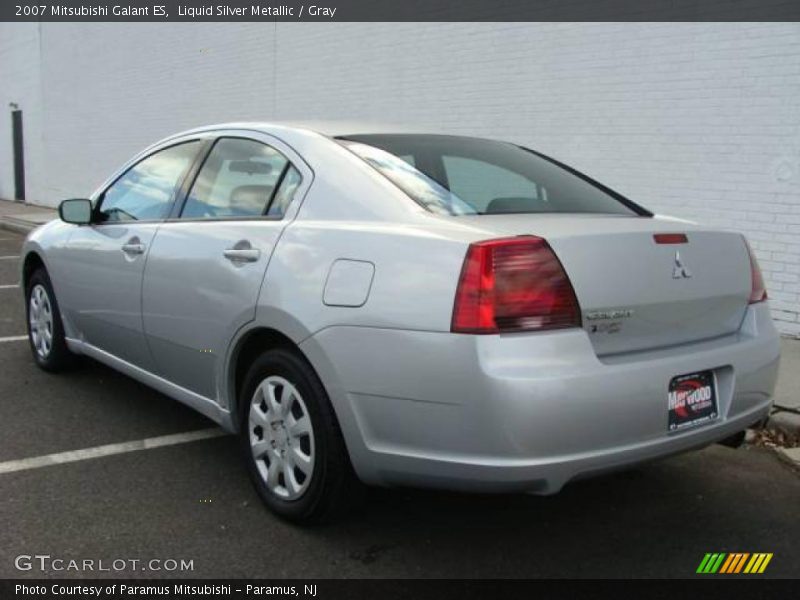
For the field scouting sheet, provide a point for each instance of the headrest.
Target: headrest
(512, 204)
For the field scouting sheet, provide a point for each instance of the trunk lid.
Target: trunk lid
(636, 294)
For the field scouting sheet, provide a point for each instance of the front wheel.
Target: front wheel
(291, 440)
(45, 328)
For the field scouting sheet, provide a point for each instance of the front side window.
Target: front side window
(467, 176)
(238, 179)
(145, 191)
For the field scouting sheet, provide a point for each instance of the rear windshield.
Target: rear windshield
(467, 176)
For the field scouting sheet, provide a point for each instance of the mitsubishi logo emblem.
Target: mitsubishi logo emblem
(680, 271)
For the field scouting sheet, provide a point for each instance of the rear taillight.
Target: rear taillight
(758, 291)
(513, 284)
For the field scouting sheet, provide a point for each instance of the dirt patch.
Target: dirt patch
(775, 436)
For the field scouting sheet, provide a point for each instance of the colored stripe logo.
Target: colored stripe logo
(734, 562)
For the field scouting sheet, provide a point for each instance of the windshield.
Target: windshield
(468, 176)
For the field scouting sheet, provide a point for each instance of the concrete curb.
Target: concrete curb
(17, 225)
(786, 420)
(24, 218)
(790, 456)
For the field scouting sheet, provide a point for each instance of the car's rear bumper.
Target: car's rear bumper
(526, 412)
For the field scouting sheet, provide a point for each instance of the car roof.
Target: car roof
(327, 128)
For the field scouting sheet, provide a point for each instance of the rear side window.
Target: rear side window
(238, 179)
(283, 196)
(468, 176)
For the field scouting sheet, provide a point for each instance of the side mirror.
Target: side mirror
(77, 211)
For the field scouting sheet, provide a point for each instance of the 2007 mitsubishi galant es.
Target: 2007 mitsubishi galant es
(399, 309)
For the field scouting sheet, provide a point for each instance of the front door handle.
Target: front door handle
(242, 255)
(133, 247)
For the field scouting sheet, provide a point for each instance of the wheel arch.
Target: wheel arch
(246, 350)
(251, 343)
(32, 261)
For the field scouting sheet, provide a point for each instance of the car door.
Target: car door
(207, 263)
(104, 261)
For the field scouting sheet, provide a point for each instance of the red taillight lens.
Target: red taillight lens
(758, 291)
(513, 284)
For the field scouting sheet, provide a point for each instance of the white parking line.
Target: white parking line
(9, 287)
(60, 458)
(13, 338)
(9, 257)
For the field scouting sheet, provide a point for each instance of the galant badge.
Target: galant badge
(680, 271)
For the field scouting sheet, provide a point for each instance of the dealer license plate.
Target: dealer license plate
(691, 400)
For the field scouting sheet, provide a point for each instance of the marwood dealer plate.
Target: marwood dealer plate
(691, 400)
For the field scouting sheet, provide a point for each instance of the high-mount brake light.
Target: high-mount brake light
(670, 238)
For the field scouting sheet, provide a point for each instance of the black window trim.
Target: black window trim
(175, 192)
(192, 174)
(637, 208)
(278, 184)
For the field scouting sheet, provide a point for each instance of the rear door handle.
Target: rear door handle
(240, 255)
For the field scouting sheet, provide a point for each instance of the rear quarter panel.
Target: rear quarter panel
(415, 275)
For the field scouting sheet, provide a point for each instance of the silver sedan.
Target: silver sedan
(401, 309)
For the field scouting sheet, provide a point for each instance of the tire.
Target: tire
(292, 444)
(45, 328)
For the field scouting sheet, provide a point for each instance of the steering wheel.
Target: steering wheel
(113, 214)
(209, 211)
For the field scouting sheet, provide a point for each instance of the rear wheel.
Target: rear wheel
(45, 328)
(291, 440)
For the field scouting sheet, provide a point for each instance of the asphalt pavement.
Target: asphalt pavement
(192, 501)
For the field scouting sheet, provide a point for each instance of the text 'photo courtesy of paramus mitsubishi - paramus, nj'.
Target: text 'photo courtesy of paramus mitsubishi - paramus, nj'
(402, 309)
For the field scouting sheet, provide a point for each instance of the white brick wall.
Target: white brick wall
(20, 83)
(698, 120)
